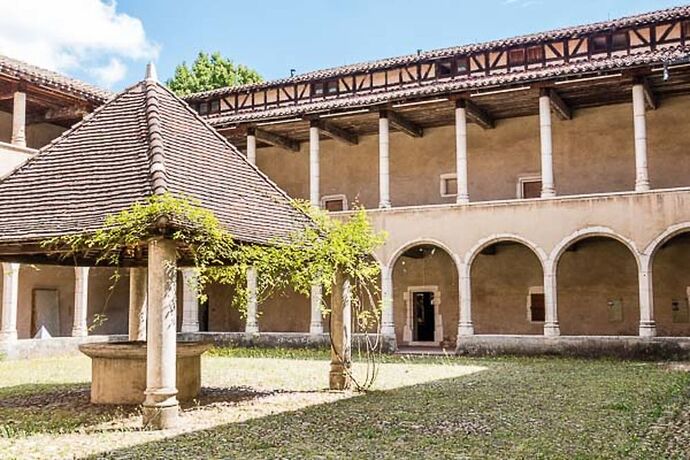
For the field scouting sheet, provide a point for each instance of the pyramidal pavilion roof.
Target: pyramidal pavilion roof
(142, 142)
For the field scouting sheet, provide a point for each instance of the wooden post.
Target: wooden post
(161, 406)
(341, 334)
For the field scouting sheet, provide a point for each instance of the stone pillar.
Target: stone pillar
(160, 405)
(251, 146)
(387, 318)
(10, 300)
(548, 189)
(19, 119)
(384, 161)
(314, 174)
(341, 334)
(640, 123)
(81, 302)
(461, 152)
(316, 323)
(465, 325)
(647, 322)
(138, 293)
(551, 326)
(252, 324)
(190, 301)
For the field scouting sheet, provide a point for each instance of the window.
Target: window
(686, 29)
(535, 54)
(449, 185)
(462, 65)
(331, 87)
(619, 41)
(334, 203)
(203, 108)
(599, 44)
(516, 57)
(444, 68)
(536, 305)
(529, 187)
(215, 106)
(317, 88)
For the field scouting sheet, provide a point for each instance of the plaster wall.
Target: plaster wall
(33, 277)
(113, 304)
(37, 135)
(671, 279)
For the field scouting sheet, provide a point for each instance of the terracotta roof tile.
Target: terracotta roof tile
(107, 162)
(40, 76)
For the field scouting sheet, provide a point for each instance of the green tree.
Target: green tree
(210, 72)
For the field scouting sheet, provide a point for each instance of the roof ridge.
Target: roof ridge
(156, 150)
(232, 147)
(382, 63)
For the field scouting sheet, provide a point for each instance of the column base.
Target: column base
(552, 330)
(251, 329)
(190, 328)
(8, 336)
(466, 329)
(338, 378)
(548, 193)
(642, 186)
(648, 329)
(462, 199)
(385, 204)
(80, 332)
(160, 409)
(316, 329)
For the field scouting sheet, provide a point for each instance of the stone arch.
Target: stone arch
(667, 268)
(424, 284)
(503, 285)
(597, 290)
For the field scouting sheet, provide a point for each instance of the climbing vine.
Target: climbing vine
(311, 256)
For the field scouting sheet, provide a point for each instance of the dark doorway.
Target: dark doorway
(424, 320)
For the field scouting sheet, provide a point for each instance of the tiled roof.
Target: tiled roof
(476, 83)
(48, 78)
(143, 141)
(637, 20)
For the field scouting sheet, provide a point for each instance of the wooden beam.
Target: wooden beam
(558, 105)
(59, 115)
(649, 96)
(277, 140)
(479, 115)
(336, 132)
(402, 123)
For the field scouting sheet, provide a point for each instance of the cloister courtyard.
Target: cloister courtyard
(275, 404)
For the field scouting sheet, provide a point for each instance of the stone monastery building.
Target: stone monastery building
(535, 191)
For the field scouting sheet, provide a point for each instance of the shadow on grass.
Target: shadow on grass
(538, 409)
(31, 409)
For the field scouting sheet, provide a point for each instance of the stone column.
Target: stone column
(387, 318)
(640, 123)
(548, 188)
(341, 334)
(384, 162)
(251, 146)
(465, 325)
(138, 293)
(461, 152)
(81, 302)
(647, 322)
(551, 326)
(10, 300)
(160, 405)
(252, 324)
(190, 301)
(314, 174)
(316, 324)
(19, 119)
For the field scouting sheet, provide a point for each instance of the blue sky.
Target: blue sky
(276, 36)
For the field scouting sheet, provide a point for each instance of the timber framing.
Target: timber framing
(277, 140)
(334, 131)
(558, 105)
(401, 123)
(479, 116)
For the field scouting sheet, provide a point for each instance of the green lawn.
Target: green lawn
(272, 404)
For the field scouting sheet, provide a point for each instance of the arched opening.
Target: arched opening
(597, 288)
(425, 296)
(45, 299)
(507, 290)
(671, 286)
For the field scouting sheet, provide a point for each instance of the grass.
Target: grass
(272, 404)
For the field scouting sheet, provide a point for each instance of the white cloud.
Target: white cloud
(67, 35)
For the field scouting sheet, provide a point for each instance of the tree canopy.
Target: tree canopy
(210, 72)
